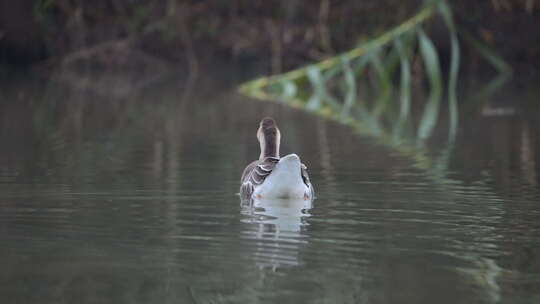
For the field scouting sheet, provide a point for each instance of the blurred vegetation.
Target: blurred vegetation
(281, 34)
(390, 87)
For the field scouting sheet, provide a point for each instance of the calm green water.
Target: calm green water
(131, 197)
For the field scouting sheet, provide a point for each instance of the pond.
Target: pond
(131, 197)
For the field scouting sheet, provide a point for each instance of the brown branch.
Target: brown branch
(89, 52)
(275, 36)
(324, 11)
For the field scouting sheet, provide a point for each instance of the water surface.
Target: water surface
(132, 198)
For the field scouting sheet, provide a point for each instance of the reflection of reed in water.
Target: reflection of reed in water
(328, 170)
(276, 230)
(484, 277)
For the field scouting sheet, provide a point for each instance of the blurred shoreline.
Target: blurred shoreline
(277, 35)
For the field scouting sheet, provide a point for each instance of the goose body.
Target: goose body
(271, 176)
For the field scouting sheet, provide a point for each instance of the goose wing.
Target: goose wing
(305, 175)
(305, 178)
(255, 174)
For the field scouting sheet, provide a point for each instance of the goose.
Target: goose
(272, 176)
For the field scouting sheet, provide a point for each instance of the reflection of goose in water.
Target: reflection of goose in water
(271, 176)
(276, 228)
(284, 214)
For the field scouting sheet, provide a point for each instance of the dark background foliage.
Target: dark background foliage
(281, 34)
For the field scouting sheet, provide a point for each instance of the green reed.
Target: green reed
(360, 87)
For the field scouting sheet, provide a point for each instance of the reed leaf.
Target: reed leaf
(405, 82)
(331, 72)
(319, 84)
(385, 84)
(314, 103)
(432, 66)
(316, 80)
(446, 13)
(289, 90)
(350, 82)
(358, 67)
(500, 65)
